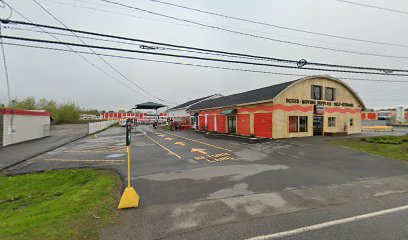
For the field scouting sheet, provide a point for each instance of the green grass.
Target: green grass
(387, 146)
(60, 204)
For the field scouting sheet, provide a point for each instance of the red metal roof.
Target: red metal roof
(24, 112)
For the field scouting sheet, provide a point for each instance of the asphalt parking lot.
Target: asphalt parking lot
(191, 186)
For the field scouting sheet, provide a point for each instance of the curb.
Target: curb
(38, 154)
(53, 148)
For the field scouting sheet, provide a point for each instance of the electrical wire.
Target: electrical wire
(117, 13)
(186, 25)
(85, 59)
(6, 73)
(199, 65)
(5, 70)
(257, 36)
(106, 62)
(135, 44)
(386, 70)
(375, 7)
(195, 57)
(278, 26)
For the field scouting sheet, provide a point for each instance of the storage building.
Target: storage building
(316, 105)
(22, 125)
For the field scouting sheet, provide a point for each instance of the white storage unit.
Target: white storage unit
(22, 125)
(400, 114)
(98, 126)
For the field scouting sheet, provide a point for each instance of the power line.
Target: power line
(258, 36)
(386, 70)
(375, 7)
(106, 62)
(135, 44)
(278, 26)
(85, 59)
(4, 60)
(199, 65)
(194, 57)
(191, 57)
(5, 70)
(113, 12)
(172, 22)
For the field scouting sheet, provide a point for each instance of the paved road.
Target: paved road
(374, 122)
(193, 187)
(60, 134)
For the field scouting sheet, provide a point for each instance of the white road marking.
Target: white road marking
(115, 155)
(328, 224)
(84, 160)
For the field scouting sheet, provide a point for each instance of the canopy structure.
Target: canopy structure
(229, 112)
(149, 105)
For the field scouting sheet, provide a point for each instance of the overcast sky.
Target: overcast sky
(64, 76)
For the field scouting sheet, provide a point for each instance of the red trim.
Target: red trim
(23, 112)
(282, 107)
(342, 110)
(290, 108)
(255, 109)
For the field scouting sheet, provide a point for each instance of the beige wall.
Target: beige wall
(25, 127)
(302, 91)
(280, 126)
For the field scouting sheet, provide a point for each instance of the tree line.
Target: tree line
(61, 112)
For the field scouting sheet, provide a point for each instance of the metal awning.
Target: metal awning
(229, 112)
(149, 105)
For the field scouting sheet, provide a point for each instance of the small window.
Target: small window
(317, 92)
(330, 94)
(303, 124)
(297, 124)
(293, 124)
(351, 122)
(332, 121)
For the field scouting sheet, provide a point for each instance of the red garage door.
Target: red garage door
(243, 124)
(202, 122)
(372, 116)
(210, 123)
(263, 125)
(221, 123)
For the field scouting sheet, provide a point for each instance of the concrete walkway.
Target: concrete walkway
(60, 135)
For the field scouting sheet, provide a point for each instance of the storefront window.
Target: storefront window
(332, 121)
(317, 92)
(330, 92)
(293, 124)
(303, 124)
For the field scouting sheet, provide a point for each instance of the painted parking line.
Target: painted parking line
(329, 224)
(86, 160)
(162, 146)
(107, 150)
(196, 141)
(98, 149)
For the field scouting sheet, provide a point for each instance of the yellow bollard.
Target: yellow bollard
(130, 198)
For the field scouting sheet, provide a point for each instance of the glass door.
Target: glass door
(317, 125)
(232, 124)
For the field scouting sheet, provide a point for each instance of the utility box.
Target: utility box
(22, 125)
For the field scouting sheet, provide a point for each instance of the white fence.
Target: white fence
(98, 126)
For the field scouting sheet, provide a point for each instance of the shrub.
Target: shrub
(394, 140)
(252, 135)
